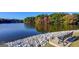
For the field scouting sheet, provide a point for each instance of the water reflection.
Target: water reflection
(29, 26)
(55, 27)
(11, 32)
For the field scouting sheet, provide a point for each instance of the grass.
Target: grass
(75, 43)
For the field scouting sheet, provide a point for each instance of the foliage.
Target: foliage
(29, 20)
(57, 17)
(54, 18)
(70, 18)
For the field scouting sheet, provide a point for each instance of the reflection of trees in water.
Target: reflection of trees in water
(55, 27)
(52, 27)
(42, 27)
(70, 27)
(29, 25)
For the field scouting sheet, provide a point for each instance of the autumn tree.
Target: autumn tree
(70, 19)
(41, 19)
(57, 17)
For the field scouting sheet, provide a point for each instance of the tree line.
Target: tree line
(2, 20)
(54, 18)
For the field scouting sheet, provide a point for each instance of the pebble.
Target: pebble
(37, 40)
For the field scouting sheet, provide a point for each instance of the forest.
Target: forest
(3, 20)
(54, 18)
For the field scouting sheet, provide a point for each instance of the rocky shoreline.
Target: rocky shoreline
(37, 40)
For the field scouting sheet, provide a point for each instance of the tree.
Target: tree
(77, 15)
(70, 19)
(57, 17)
(41, 19)
(29, 20)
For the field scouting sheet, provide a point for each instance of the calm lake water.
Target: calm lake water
(15, 31)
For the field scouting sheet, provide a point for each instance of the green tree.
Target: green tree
(70, 19)
(57, 17)
(77, 15)
(29, 20)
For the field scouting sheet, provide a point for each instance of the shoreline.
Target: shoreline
(37, 40)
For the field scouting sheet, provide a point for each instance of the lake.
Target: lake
(15, 31)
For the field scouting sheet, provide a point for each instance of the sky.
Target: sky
(20, 15)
